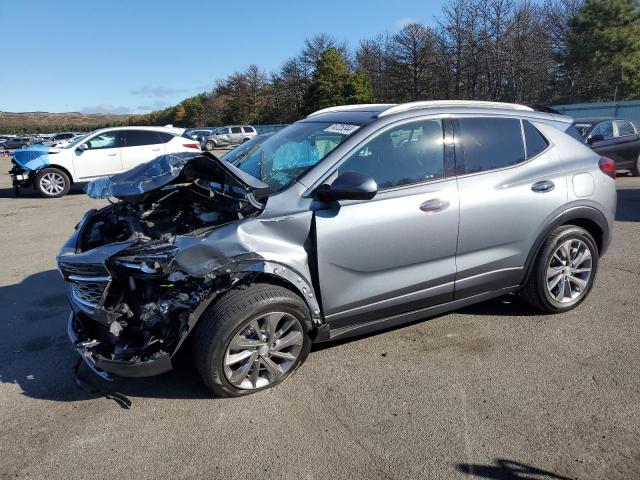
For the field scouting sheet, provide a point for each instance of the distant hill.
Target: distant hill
(45, 122)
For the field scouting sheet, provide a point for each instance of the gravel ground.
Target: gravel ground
(492, 391)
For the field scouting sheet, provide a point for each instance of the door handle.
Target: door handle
(155, 149)
(543, 186)
(434, 205)
(112, 154)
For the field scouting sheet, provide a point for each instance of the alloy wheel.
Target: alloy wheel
(52, 183)
(263, 351)
(569, 271)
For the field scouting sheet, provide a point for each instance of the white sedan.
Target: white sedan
(52, 170)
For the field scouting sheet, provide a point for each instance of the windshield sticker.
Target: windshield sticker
(342, 128)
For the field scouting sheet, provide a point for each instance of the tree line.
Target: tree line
(536, 53)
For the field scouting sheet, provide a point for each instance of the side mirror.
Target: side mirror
(83, 147)
(348, 186)
(595, 138)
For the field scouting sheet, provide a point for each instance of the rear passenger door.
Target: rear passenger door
(508, 189)
(141, 146)
(236, 135)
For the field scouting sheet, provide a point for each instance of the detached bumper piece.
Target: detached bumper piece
(88, 348)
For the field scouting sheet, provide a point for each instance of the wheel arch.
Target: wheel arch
(59, 167)
(589, 218)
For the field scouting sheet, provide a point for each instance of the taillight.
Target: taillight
(607, 166)
(191, 145)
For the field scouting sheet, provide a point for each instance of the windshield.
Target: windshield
(76, 141)
(583, 128)
(286, 156)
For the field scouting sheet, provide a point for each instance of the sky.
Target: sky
(136, 56)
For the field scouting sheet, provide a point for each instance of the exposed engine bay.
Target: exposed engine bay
(134, 304)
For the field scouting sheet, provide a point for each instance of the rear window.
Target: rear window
(137, 138)
(536, 143)
(489, 144)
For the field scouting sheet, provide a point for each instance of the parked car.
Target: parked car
(615, 138)
(52, 170)
(17, 142)
(354, 219)
(229, 135)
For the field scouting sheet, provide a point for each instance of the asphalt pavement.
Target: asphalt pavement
(492, 391)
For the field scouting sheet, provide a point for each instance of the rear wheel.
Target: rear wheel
(209, 145)
(52, 183)
(251, 339)
(564, 270)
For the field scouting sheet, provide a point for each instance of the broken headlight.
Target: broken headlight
(147, 258)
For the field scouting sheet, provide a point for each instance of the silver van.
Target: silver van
(228, 135)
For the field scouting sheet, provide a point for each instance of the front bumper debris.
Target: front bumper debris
(104, 367)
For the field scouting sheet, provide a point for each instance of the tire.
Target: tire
(245, 139)
(237, 316)
(52, 183)
(635, 169)
(550, 266)
(209, 145)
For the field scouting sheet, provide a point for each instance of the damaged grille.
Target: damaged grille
(88, 293)
(88, 282)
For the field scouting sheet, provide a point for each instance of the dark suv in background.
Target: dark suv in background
(614, 138)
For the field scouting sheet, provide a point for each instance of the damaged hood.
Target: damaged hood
(34, 157)
(175, 168)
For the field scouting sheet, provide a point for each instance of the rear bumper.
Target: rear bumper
(104, 367)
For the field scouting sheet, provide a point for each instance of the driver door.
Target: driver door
(396, 252)
(103, 156)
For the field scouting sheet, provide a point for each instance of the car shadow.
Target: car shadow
(76, 189)
(508, 470)
(36, 355)
(628, 205)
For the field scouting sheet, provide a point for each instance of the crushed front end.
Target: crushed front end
(132, 304)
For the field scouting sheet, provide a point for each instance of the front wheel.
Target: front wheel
(564, 270)
(52, 183)
(209, 145)
(251, 339)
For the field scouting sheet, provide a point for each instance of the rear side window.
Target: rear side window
(236, 130)
(137, 138)
(489, 144)
(409, 153)
(248, 129)
(164, 136)
(625, 128)
(534, 140)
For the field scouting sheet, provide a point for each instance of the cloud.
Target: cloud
(156, 91)
(403, 22)
(105, 108)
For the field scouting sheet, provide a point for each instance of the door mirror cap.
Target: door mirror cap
(348, 186)
(83, 146)
(595, 138)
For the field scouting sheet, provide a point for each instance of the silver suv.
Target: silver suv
(226, 136)
(354, 219)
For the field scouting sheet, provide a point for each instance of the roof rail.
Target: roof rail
(403, 107)
(344, 108)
